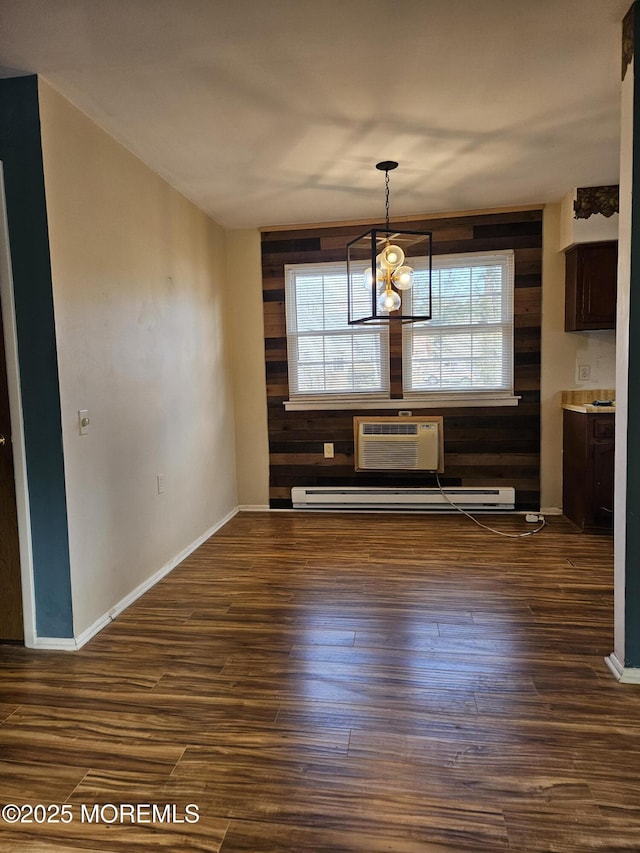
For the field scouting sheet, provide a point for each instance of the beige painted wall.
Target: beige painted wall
(627, 127)
(562, 353)
(246, 323)
(139, 276)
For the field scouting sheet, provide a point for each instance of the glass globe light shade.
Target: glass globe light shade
(389, 301)
(403, 278)
(367, 279)
(391, 257)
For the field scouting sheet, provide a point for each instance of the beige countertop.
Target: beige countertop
(581, 400)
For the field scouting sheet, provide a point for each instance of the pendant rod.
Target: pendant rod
(386, 166)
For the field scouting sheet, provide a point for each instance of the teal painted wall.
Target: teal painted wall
(21, 154)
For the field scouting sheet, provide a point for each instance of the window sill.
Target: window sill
(433, 401)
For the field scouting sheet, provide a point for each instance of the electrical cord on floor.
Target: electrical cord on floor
(486, 526)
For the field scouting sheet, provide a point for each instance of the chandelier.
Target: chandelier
(389, 271)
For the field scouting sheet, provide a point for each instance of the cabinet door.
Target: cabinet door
(590, 282)
(575, 460)
(603, 468)
(588, 469)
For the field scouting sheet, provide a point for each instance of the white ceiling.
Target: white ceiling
(267, 112)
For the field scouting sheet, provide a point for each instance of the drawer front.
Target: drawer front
(603, 426)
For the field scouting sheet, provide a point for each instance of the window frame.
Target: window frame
(378, 391)
(440, 398)
(503, 326)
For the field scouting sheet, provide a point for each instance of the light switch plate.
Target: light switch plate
(83, 421)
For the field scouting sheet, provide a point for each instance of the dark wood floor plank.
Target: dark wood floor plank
(326, 682)
(272, 837)
(32, 782)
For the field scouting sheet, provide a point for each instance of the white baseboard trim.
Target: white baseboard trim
(59, 644)
(624, 674)
(254, 508)
(72, 644)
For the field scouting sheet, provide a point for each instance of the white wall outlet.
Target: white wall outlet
(160, 480)
(584, 372)
(328, 450)
(83, 421)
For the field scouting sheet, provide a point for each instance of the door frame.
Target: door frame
(17, 425)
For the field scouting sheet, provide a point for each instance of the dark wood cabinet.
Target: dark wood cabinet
(588, 469)
(591, 274)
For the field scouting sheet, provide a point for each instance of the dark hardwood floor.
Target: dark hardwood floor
(320, 682)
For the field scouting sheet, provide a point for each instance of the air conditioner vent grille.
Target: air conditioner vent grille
(389, 429)
(390, 455)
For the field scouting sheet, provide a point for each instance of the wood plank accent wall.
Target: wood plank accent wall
(483, 446)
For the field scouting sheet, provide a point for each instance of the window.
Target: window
(467, 346)
(464, 351)
(328, 357)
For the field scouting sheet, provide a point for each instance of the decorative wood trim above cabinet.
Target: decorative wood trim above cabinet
(593, 200)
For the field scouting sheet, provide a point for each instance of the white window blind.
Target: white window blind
(327, 357)
(467, 346)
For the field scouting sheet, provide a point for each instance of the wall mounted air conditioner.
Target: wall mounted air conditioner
(398, 444)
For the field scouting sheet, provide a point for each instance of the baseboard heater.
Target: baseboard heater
(419, 499)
